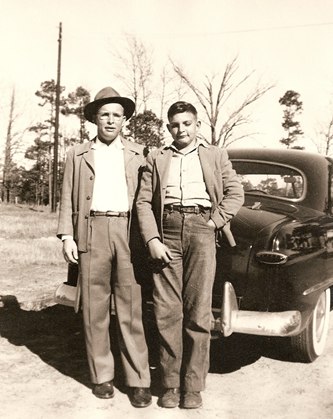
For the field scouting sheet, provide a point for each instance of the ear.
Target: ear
(169, 128)
(198, 124)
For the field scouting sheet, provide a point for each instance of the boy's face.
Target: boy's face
(184, 128)
(109, 120)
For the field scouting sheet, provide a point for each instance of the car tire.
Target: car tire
(310, 344)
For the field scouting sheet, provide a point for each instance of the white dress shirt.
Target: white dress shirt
(110, 186)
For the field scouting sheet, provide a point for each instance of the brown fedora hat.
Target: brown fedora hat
(108, 95)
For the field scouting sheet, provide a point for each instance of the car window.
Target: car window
(270, 179)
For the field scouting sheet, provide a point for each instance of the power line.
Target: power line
(165, 35)
(274, 28)
(209, 34)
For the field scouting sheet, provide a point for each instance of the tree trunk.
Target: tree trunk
(8, 149)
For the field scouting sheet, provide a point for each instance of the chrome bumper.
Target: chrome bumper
(286, 323)
(231, 319)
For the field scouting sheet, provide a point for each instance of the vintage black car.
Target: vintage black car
(275, 279)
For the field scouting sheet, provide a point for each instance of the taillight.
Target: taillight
(271, 258)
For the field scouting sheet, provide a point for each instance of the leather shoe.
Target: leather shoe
(104, 390)
(170, 398)
(140, 396)
(191, 400)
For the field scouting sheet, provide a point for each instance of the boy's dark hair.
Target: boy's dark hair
(181, 107)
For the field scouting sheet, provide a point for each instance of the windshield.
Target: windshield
(270, 179)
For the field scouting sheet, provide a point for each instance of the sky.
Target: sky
(287, 42)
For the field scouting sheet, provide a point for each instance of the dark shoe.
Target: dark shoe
(104, 390)
(140, 396)
(191, 400)
(170, 398)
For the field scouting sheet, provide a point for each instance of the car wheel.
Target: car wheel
(310, 344)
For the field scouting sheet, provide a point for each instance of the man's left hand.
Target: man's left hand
(211, 224)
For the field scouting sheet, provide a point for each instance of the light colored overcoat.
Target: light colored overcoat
(78, 184)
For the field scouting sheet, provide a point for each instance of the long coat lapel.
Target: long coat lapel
(163, 161)
(129, 153)
(207, 159)
(87, 154)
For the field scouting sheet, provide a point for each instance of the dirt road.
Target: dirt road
(43, 374)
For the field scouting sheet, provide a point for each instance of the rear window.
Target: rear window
(270, 179)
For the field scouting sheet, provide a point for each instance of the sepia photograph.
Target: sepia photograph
(166, 209)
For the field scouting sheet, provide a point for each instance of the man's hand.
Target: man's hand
(69, 250)
(211, 223)
(159, 252)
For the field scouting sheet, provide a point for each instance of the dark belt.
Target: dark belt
(194, 209)
(108, 214)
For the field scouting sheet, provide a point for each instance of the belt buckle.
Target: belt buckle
(190, 210)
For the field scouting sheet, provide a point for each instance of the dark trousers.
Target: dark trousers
(182, 300)
(107, 268)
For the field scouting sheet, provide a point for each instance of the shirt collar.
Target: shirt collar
(199, 141)
(97, 144)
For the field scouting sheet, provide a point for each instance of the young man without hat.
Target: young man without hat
(188, 191)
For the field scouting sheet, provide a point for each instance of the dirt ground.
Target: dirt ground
(43, 373)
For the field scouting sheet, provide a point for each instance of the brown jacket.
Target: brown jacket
(223, 186)
(78, 184)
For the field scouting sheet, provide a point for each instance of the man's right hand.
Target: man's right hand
(159, 251)
(69, 250)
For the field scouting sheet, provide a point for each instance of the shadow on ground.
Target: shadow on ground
(236, 351)
(55, 334)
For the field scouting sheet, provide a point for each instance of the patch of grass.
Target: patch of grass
(43, 251)
(33, 264)
(23, 222)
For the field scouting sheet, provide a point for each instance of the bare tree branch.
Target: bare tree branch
(324, 143)
(136, 71)
(226, 90)
(12, 147)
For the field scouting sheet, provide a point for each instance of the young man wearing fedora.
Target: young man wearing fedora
(96, 224)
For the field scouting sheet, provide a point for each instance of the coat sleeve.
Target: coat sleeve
(65, 223)
(233, 193)
(144, 203)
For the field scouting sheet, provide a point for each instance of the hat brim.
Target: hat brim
(91, 108)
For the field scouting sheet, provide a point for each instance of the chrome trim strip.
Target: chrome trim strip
(271, 253)
(323, 285)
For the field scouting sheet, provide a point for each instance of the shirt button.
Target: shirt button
(91, 177)
(88, 197)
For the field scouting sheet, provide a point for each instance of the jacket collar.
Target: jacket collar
(97, 144)
(85, 149)
(199, 142)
